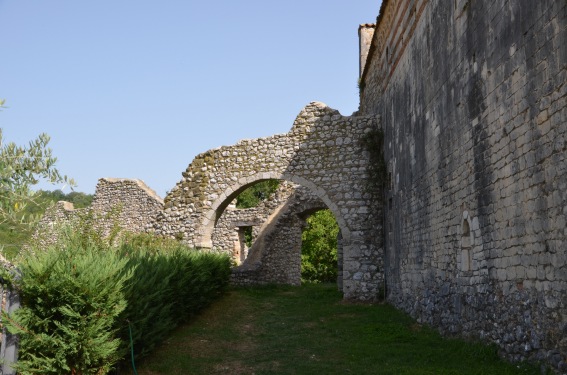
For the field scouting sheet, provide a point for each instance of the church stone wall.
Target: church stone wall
(473, 101)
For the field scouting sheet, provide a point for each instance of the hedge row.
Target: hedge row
(81, 299)
(170, 285)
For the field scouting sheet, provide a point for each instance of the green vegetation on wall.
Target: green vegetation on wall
(373, 143)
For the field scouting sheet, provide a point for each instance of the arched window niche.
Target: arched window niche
(467, 241)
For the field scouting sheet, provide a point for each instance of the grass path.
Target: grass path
(310, 330)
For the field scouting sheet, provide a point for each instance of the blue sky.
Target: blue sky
(137, 89)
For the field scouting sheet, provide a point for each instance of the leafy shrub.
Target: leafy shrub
(79, 299)
(71, 299)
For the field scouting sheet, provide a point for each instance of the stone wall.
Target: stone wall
(473, 101)
(48, 228)
(126, 203)
(134, 203)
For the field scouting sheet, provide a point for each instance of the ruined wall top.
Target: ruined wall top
(123, 185)
(129, 203)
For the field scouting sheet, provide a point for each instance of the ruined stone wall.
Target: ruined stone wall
(473, 101)
(322, 152)
(134, 203)
(55, 217)
(275, 256)
(126, 203)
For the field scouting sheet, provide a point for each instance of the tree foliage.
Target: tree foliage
(14, 235)
(22, 167)
(319, 248)
(79, 199)
(257, 193)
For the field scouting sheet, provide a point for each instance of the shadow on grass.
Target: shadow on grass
(309, 329)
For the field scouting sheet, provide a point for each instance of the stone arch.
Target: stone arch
(275, 256)
(210, 217)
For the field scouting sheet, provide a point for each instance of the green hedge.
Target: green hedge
(170, 285)
(79, 299)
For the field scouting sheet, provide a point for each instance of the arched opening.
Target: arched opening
(319, 248)
(238, 225)
(267, 238)
(467, 241)
(209, 219)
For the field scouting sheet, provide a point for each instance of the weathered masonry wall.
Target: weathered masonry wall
(323, 153)
(134, 202)
(128, 203)
(473, 101)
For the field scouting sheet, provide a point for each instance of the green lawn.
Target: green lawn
(310, 330)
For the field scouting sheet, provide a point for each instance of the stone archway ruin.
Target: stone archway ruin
(275, 256)
(322, 152)
(235, 223)
(276, 225)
